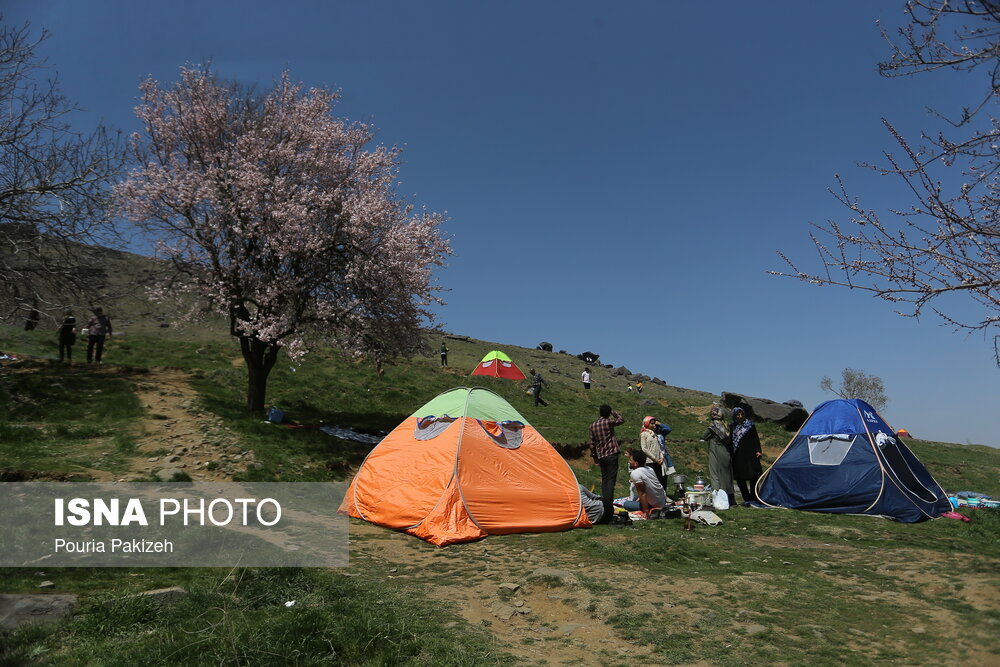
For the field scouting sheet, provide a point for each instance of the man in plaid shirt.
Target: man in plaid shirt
(604, 450)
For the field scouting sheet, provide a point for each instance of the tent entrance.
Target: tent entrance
(898, 466)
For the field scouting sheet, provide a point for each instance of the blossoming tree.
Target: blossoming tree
(277, 216)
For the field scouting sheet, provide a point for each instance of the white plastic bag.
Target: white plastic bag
(720, 499)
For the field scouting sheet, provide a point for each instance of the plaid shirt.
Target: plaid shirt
(602, 436)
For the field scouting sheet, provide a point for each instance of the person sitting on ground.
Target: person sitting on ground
(647, 492)
(638, 386)
(593, 505)
(629, 387)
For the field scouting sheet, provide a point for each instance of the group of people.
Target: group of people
(649, 465)
(733, 454)
(97, 329)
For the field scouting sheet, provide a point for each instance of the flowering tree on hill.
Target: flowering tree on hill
(275, 215)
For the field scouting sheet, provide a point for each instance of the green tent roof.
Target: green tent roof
(474, 402)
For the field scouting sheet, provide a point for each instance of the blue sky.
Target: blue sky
(617, 177)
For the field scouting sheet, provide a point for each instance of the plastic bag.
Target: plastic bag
(720, 499)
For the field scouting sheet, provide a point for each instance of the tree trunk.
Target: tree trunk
(260, 358)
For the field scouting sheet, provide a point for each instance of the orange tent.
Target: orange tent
(464, 466)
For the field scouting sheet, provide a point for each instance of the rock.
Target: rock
(793, 403)
(509, 587)
(662, 383)
(524, 611)
(755, 629)
(47, 584)
(589, 357)
(566, 629)
(173, 459)
(167, 474)
(545, 346)
(34, 609)
(559, 577)
(154, 459)
(503, 611)
(519, 603)
(621, 370)
(762, 409)
(649, 402)
(164, 595)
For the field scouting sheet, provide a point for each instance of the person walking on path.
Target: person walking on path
(444, 354)
(537, 381)
(585, 378)
(604, 449)
(746, 455)
(720, 460)
(98, 327)
(67, 337)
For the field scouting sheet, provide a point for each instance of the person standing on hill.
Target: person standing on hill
(585, 378)
(720, 460)
(67, 336)
(444, 354)
(98, 327)
(604, 450)
(746, 455)
(537, 381)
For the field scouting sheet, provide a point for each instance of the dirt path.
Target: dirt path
(175, 435)
(545, 607)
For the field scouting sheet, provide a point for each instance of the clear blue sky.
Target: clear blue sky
(617, 176)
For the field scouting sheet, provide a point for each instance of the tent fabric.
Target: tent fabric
(486, 472)
(499, 365)
(845, 459)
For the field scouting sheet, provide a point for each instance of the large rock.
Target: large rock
(164, 595)
(34, 609)
(588, 357)
(621, 370)
(764, 410)
(545, 346)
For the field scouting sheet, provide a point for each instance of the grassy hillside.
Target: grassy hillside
(765, 586)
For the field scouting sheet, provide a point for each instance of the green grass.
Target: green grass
(759, 566)
(59, 418)
(241, 618)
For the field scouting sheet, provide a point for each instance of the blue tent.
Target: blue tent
(846, 460)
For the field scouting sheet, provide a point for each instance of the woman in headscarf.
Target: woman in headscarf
(746, 455)
(650, 444)
(720, 460)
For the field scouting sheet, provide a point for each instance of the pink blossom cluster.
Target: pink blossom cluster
(281, 216)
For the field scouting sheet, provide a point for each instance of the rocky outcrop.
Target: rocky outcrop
(545, 346)
(588, 357)
(764, 410)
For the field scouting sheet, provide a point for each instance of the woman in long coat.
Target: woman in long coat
(720, 461)
(746, 455)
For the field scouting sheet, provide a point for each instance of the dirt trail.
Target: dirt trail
(543, 606)
(175, 435)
